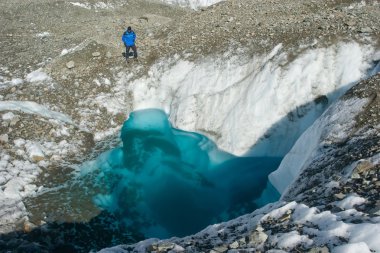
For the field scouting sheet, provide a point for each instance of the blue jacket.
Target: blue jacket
(129, 38)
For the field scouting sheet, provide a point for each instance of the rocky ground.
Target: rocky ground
(79, 48)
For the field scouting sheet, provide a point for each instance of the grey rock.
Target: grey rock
(350, 23)
(165, 246)
(319, 250)
(14, 120)
(363, 166)
(220, 249)
(4, 138)
(234, 245)
(70, 64)
(340, 195)
(257, 238)
(376, 209)
(365, 30)
(96, 54)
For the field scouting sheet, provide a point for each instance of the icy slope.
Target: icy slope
(333, 126)
(341, 144)
(245, 105)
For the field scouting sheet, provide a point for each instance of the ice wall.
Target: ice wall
(166, 182)
(333, 126)
(257, 106)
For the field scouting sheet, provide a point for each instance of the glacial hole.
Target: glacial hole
(168, 182)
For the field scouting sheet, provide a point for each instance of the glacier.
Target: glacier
(250, 107)
(240, 106)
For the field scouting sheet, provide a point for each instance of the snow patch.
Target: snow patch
(34, 150)
(360, 247)
(98, 5)
(70, 50)
(43, 35)
(37, 76)
(98, 136)
(291, 240)
(350, 201)
(194, 4)
(82, 5)
(8, 116)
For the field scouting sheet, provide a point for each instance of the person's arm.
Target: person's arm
(123, 37)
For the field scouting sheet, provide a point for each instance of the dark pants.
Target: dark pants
(128, 48)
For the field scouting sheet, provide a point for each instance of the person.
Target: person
(129, 38)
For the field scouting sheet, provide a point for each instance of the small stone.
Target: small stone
(350, 23)
(376, 209)
(355, 175)
(70, 64)
(4, 138)
(14, 121)
(152, 247)
(259, 228)
(13, 89)
(257, 238)
(340, 195)
(37, 158)
(363, 166)
(165, 246)
(319, 250)
(220, 249)
(365, 30)
(108, 55)
(234, 245)
(28, 226)
(96, 54)
(286, 216)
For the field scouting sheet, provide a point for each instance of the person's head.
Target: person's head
(129, 29)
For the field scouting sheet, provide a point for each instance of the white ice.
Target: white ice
(37, 76)
(34, 108)
(290, 240)
(43, 34)
(333, 126)
(97, 5)
(247, 102)
(350, 201)
(194, 4)
(352, 248)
